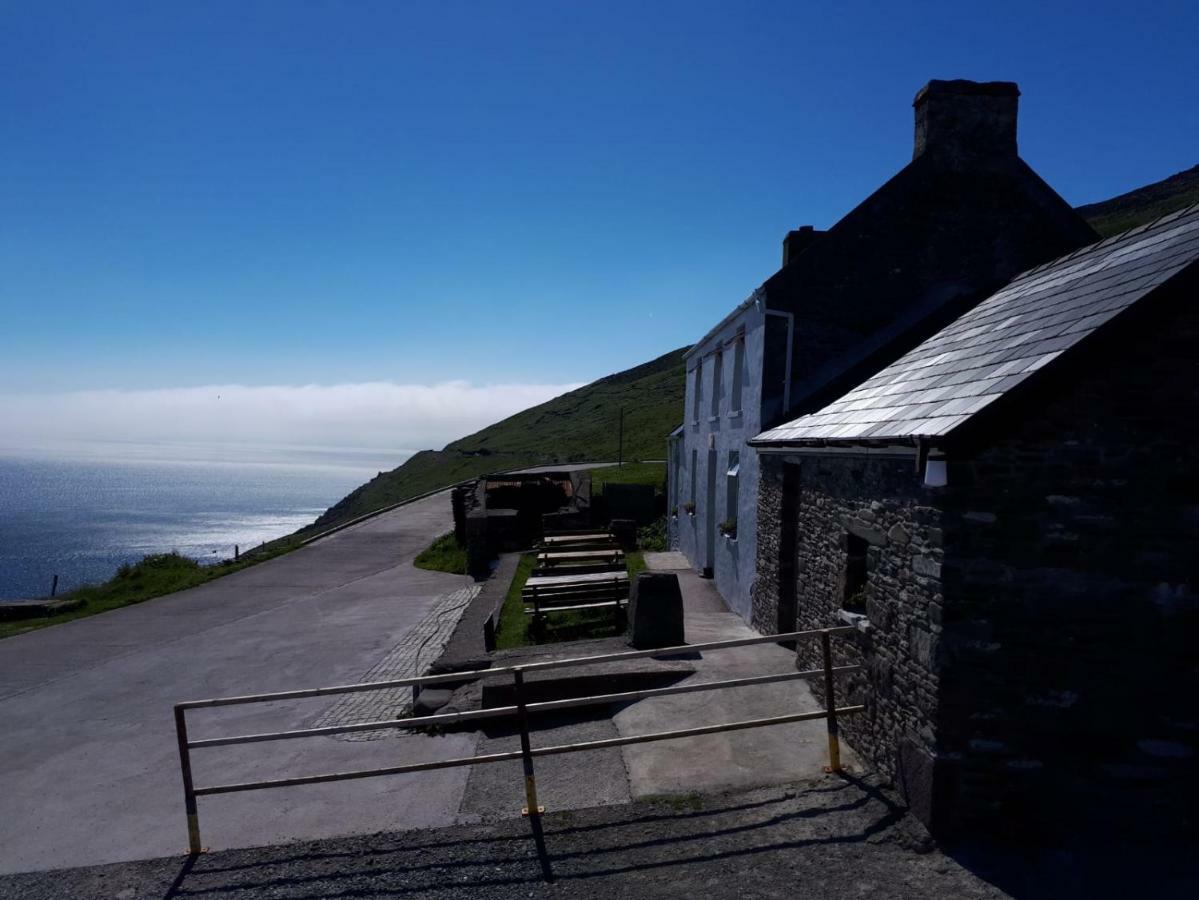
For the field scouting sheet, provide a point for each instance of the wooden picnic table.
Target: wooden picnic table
(590, 578)
(559, 539)
(550, 557)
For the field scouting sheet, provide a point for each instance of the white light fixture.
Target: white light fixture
(935, 473)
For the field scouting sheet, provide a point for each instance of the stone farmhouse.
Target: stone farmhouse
(955, 224)
(1013, 507)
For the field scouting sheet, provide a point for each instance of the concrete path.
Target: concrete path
(88, 765)
(736, 760)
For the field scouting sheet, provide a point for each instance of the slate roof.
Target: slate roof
(1000, 343)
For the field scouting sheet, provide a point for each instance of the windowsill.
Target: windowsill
(695, 423)
(857, 620)
(735, 414)
(731, 540)
(712, 419)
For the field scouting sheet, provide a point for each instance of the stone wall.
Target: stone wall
(1068, 656)
(881, 501)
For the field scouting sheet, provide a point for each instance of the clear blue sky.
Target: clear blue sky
(306, 192)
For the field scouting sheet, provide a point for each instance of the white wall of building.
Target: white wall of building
(699, 459)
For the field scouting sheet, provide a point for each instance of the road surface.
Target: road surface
(88, 762)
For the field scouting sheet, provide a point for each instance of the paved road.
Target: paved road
(88, 765)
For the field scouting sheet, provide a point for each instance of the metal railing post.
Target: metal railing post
(526, 752)
(532, 809)
(189, 791)
(830, 705)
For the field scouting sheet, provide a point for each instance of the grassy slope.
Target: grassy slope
(576, 427)
(154, 576)
(1143, 204)
(443, 555)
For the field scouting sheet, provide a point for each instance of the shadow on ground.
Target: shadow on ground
(838, 837)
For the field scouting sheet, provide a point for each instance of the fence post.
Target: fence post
(189, 791)
(532, 809)
(830, 705)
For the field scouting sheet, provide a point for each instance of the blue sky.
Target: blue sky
(527, 194)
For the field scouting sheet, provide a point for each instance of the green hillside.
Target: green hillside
(1143, 204)
(581, 426)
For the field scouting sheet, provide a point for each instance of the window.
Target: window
(738, 377)
(732, 489)
(694, 469)
(717, 365)
(697, 394)
(856, 573)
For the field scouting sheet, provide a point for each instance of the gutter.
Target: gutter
(790, 317)
(893, 450)
(737, 310)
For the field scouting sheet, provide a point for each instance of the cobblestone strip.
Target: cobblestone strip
(412, 656)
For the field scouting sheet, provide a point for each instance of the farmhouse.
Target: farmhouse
(957, 222)
(1013, 506)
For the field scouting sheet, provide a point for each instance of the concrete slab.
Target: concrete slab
(567, 781)
(733, 760)
(90, 772)
(668, 561)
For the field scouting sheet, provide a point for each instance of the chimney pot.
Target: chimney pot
(966, 118)
(796, 241)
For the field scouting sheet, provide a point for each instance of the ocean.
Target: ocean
(81, 510)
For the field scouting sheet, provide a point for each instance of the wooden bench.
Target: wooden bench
(553, 593)
(551, 558)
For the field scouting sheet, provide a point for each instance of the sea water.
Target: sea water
(80, 511)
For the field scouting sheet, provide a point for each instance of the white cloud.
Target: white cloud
(367, 415)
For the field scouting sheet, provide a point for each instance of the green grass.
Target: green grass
(653, 474)
(580, 426)
(154, 576)
(1144, 204)
(513, 628)
(443, 555)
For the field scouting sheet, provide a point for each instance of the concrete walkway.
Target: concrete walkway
(88, 765)
(736, 760)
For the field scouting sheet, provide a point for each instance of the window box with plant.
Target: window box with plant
(729, 529)
(689, 509)
(674, 512)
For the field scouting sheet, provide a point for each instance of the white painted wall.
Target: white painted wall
(733, 563)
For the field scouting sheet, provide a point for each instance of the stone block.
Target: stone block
(656, 611)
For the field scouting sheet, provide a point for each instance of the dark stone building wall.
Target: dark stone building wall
(1071, 631)
(880, 502)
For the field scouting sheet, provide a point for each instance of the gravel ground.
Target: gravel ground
(831, 838)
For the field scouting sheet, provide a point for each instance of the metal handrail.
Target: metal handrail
(521, 709)
(471, 674)
(499, 711)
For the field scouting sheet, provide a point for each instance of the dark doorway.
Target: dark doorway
(788, 549)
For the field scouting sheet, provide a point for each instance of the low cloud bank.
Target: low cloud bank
(366, 415)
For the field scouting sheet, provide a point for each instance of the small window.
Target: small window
(698, 392)
(856, 573)
(738, 377)
(694, 468)
(717, 366)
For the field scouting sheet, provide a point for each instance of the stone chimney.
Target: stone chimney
(971, 119)
(797, 241)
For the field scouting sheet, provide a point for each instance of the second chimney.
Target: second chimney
(966, 118)
(797, 241)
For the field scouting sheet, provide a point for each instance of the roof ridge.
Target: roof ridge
(1105, 242)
